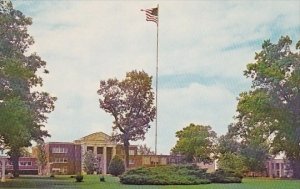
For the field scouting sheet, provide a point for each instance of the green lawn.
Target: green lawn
(91, 182)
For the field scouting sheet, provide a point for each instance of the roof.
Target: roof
(95, 137)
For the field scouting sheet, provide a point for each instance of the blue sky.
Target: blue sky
(204, 47)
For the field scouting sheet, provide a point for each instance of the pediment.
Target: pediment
(95, 137)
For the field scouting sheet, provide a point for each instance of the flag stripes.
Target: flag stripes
(151, 14)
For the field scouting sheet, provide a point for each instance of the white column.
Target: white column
(104, 171)
(3, 170)
(280, 168)
(83, 150)
(95, 150)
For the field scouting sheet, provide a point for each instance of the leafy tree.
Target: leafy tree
(144, 150)
(90, 162)
(14, 131)
(41, 156)
(116, 166)
(229, 157)
(228, 144)
(256, 156)
(23, 110)
(130, 102)
(232, 162)
(270, 112)
(25, 152)
(196, 142)
(253, 155)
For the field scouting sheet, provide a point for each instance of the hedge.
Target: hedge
(176, 175)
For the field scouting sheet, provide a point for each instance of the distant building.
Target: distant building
(68, 157)
(152, 160)
(27, 166)
(148, 160)
(279, 168)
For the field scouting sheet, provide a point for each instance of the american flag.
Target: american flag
(151, 14)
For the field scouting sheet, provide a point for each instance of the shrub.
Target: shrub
(221, 176)
(116, 166)
(79, 178)
(177, 175)
(165, 175)
(102, 179)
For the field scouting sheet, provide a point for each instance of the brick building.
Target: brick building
(63, 158)
(68, 157)
(27, 165)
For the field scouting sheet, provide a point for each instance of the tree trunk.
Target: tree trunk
(15, 161)
(126, 150)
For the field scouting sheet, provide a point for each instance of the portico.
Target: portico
(101, 145)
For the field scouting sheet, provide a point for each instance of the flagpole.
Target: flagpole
(156, 94)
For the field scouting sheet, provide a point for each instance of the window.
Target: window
(163, 161)
(55, 169)
(99, 150)
(131, 152)
(90, 148)
(60, 160)
(131, 162)
(277, 165)
(146, 160)
(59, 150)
(25, 163)
(64, 170)
(154, 161)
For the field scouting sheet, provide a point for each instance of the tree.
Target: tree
(144, 150)
(270, 112)
(247, 156)
(41, 156)
(197, 143)
(130, 102)
(90, 162)
(116, 166)
(23, 110)
(228, 144)
(25, 152)
(256, 156)
(232, 162)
